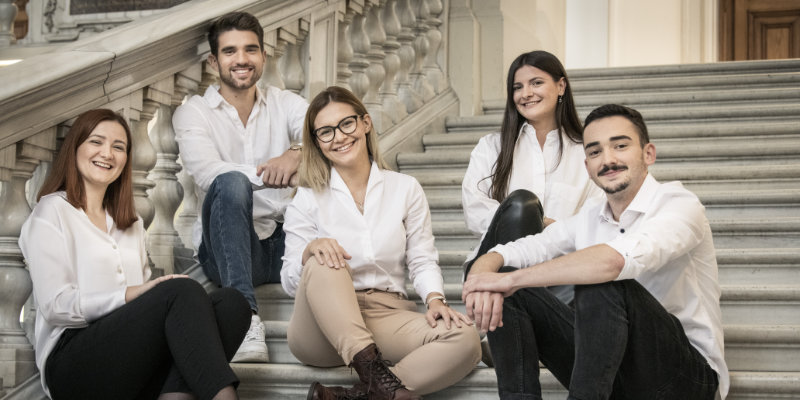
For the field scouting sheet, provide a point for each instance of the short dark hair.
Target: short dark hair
(612, 110)
(237, 20)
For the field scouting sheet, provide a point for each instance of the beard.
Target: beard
(226, 78)
(612, 189)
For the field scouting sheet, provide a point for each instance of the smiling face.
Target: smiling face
(239, 60)
(102, 156)
(615, 158)
(535, 94)
(345, 150)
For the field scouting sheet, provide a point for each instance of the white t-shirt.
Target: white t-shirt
(393, 234)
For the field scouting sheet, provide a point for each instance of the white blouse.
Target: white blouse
(393, 233)
(79, 272)
(562, 185)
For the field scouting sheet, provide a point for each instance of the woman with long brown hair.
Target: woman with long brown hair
(104, 329)
(532, 171)
(354, 230)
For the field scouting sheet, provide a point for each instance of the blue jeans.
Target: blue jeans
(618, 342)
(231, 253)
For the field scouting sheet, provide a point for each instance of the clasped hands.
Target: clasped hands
(483, 294)
(280, 172)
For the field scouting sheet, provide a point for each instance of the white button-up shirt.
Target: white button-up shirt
(79, 272)
(393, 233)
(561, 183)
(666, 242)
(214, 141)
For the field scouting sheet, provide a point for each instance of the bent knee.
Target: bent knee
(232, 186)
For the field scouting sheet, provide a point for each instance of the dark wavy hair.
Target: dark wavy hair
(64, 175)
(237, 20)
(566, 117)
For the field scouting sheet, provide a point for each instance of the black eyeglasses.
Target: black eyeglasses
(347, 126)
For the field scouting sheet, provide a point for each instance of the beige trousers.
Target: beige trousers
(332, 322)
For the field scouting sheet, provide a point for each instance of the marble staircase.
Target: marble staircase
(730, 132)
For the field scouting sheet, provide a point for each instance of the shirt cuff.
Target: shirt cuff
(625, 247)
(428, 283)
(509, 254)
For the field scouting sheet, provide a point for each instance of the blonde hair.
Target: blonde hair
(315, 170)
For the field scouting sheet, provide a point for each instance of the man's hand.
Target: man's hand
(502, 283)
(277, 173)
(486, 308)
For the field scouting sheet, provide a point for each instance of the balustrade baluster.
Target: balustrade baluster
(359, 82)
(17, 164)
(143, 158)
(421, 45)
(407, 55)
(291, 64)
(344, 52)
(392, 105)
(376, 71)
(431, 67)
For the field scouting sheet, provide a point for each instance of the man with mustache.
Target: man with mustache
(240, 142)
(646, 320)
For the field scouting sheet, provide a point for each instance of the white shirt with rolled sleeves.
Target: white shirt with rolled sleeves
(79, 272)
(393, 234)
(665, 239)
(213, 141)
(561, 184)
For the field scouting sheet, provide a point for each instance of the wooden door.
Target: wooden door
(759, 29)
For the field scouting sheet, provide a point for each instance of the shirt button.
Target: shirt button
(622, 230)
(119, 269)
(113, 246)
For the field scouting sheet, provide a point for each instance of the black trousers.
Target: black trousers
(172, 338)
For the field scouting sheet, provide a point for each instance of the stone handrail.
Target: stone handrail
(387, 51)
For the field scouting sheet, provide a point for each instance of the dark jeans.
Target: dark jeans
(231, 253)
(520, 214)
(618, 342)
(172, 338)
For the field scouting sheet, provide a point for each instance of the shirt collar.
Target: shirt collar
(375, 177)
(640, 202)
(527, 128)
(215, 99)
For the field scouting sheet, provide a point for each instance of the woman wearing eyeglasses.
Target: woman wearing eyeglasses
(352, 231)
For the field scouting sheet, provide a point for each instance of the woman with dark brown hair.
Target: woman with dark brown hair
(532, 171)
(104, 329)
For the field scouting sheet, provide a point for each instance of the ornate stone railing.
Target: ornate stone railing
(389, 52)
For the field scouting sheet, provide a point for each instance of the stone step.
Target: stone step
(686, 72)
(468, 139)
(664, 171)
(736, 266)
(291, 381)
(692, 98)
(747, 347)
(692, 150)
(741, 304)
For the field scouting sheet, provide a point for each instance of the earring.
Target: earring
(560, 98)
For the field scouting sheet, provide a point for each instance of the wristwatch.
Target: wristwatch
(296, 146)
(444, 301)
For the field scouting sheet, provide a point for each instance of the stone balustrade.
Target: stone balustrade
(388, 52)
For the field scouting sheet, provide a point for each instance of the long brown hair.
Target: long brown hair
(566, 117)
(315, 170)
(64, 175)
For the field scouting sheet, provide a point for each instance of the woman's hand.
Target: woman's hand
(438, 310)
(548, 221)
(132, 292)
(327, 252)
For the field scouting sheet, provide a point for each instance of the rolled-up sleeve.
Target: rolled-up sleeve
(198, 151)
(421, 255)
(677, 227)
(555, 241)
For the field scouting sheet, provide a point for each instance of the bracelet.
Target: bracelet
(442, 298)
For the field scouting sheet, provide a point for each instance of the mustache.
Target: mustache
(615, 167)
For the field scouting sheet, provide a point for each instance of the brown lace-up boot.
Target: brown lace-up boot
(320, 392)
(381, 383)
